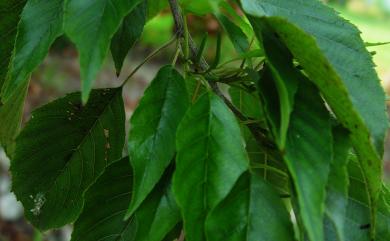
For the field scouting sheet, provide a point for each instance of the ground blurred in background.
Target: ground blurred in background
(59, 74)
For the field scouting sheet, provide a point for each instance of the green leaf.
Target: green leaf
(202, 46)
(308, 155)
(357, 224)
(156, 7)
(90, 25)
(337, 188)
(106, 203)
(237, 18)
(342, 70)
(247, 103)
(198, 7)
(61, 152)
(195, 87)
(105, 206)
(128, 34)
(272, 170)
(153, 131)
(41, 23)
(10, 11)
(210, 159)
(217, 56)
(236, 35)
(11, 114)
(286, 79)
(367, 44)
(252, 211)
(159, 214)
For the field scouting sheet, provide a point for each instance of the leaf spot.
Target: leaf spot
(106, 133)
(39, 201)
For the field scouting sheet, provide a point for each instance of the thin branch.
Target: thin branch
(149, 57)
(257, 131)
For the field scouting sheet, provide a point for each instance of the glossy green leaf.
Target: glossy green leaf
(308, 155)
(128, 34)
(61, 152)
(210, 159)
(337, 188)
(106, 203)
(90, 25)
(252, 211)
(11, 114)
(342, 70)
(10, 11)
(41, 23)
(153, 131)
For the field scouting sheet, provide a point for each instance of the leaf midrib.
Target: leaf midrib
(77, 149)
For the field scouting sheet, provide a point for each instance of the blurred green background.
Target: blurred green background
(59, 74)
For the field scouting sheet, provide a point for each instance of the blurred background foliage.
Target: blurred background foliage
(59, 74)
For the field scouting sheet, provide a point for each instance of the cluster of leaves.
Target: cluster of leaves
(294, 153)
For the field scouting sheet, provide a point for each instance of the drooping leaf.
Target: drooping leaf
(10, 112)
(90, 25)
(105, 206)
(337, 188)
(358, 224)
(41, 23)
(285, 78)
(342, 70)
(153, 131)
(10, 119)
(252, 211)
(277, 90)
(10, 11)
(106, 203)
(128, 34)
(62, 150)
(210, 159)
(308, 155)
